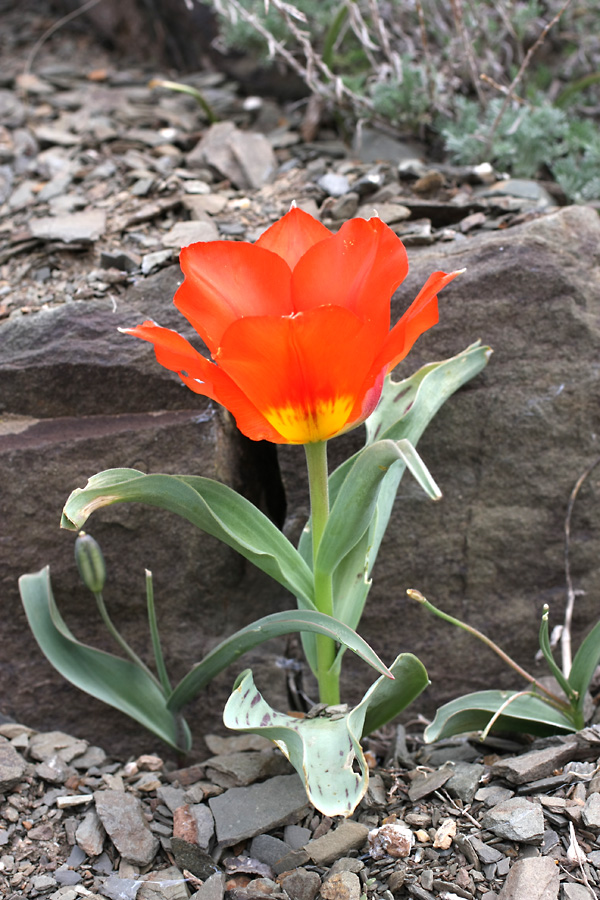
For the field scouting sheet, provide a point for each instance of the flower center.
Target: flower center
(302, 425)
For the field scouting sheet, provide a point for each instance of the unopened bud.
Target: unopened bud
(90, 562)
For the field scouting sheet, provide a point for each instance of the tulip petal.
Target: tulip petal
(293, 235)
(359, 268)
(226, 280)
(174, 352)
(302, 372)
(421, 315)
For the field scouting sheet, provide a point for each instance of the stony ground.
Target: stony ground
(437, 823)
(102, 179)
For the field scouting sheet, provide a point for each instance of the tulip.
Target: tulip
(297, 325)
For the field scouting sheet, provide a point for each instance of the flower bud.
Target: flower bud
(90, 562)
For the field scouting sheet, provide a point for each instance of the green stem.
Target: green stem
(121, 640)
(316, 461)
(552, 697)
(158, 654)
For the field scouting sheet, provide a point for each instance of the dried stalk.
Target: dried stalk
(523, 68)
(50, 31)
(565, 640)
(462, 31)
(431, 83)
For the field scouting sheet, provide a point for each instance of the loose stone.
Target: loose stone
(350, 835)
(300, 884)
(122, 816)
(516, 819)
(343, 886)
(532, 879)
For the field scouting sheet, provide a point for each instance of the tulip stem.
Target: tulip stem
(327, 676)
(120, 639)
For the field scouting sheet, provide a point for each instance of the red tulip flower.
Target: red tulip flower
(297, 325)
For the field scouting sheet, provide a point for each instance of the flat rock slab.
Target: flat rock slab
(537, 878)
(12, 766)
(537, 764)
(244, 812)
(350, 835)
(516, 819)
(123, 818)
(79, 226)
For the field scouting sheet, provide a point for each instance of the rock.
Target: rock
(122, 816)
(205, 824)
(516, 819)
(237, 743)
(296, 836)
(84, 226)
(90, 834)
(245, 158)
(164, 884)
(12, 766)
(153, 261)
(333, 184)
(390, 213)
(301, 884)
(345, 864)
(591, 812)
(47, 745)
(212, 889)
(506, 450)
(429, 782)
(184, 233)
(193, 858)
(343, 886)
(537, 764)
(55, 770)
(172, 797)
(116, 888)
(493, 794)
(532, 879)
(239, 769)
(244, 812)
(349, 835)
(485, 852)
(268, 849)
(465, 781)
(575, 892)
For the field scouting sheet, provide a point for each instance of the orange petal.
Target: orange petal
(302, 372)
(174, 352)
(293, 235)
(225, 280)
(421, 315)
(359, 268)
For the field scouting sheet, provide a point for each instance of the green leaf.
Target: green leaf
(211, 506)
(386, 699)
(263, 630)
(356, 501)
(473, 712)
(584, 665)
(115, 681)
(546, 649)
(407, 407)
(403, 413)
(324, 750)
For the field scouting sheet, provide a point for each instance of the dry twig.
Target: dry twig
(565, 641)
(523, 68)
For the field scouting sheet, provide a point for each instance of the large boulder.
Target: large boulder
(506, 450)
